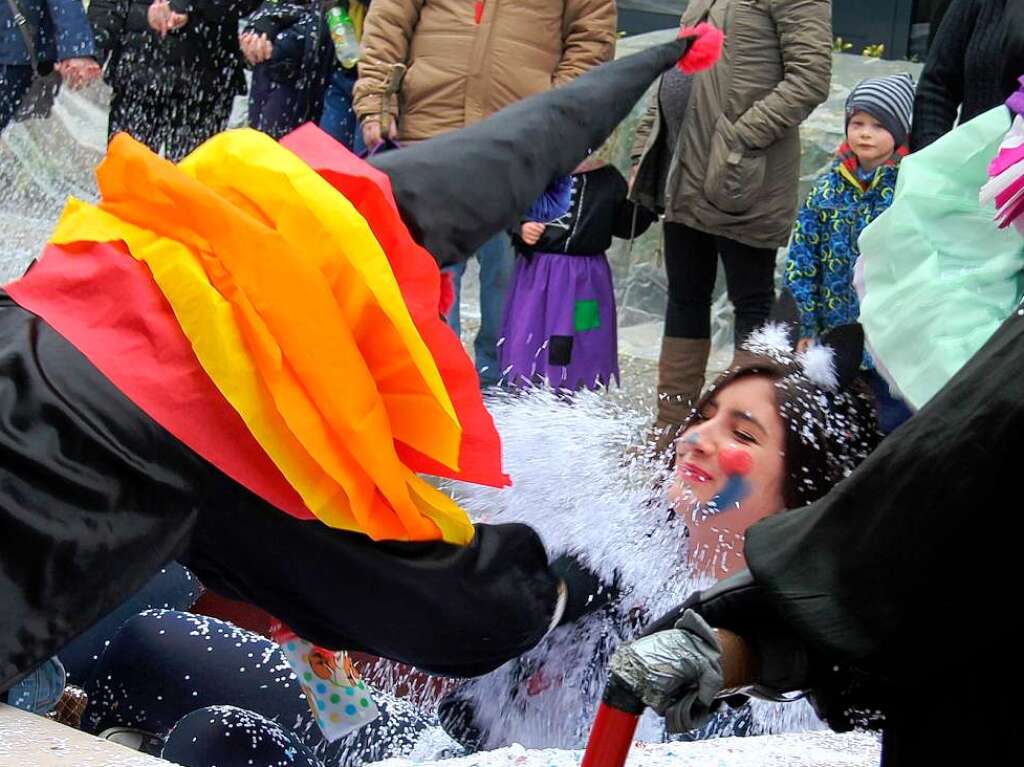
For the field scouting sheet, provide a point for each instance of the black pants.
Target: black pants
(691, 263)
(14, 82)
(170, 117)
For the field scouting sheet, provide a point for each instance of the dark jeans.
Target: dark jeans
(14, 82)
(339, 117)
(173, 118)
(194, 680)
(278, 108)
(892, 411)
(691, 263)
(173, 588)
(497, 264)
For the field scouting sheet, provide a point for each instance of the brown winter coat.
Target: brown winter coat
(460, 71)
(736, 167)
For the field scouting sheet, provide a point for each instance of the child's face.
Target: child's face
(869, 140)
(731, 462)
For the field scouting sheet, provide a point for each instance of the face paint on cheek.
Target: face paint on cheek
(736, 463)
(735, 490)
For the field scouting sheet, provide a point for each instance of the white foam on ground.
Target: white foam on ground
(818, 749)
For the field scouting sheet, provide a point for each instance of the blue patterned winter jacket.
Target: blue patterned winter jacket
(823, 248)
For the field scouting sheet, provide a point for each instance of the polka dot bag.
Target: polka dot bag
(340, 701)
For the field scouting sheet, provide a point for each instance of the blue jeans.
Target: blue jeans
(14, 82)
(497, 261)
(40, 690)
(339, 118)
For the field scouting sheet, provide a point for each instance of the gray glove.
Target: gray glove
(678, 672)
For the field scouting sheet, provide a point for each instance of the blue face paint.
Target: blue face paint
(735, 490)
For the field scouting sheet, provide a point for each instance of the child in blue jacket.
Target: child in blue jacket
(855, 190)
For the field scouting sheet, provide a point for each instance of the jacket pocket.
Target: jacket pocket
(736, 174)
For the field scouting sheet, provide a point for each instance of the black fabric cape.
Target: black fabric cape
(902, 580)
(95, 497)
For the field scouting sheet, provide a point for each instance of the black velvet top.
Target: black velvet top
(599, 211)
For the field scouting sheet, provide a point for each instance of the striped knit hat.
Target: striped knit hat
(890, 100)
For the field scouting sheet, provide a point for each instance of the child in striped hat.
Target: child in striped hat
(854, 191)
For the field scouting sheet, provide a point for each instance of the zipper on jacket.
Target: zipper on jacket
(478, 11)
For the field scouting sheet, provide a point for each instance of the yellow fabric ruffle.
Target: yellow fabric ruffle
(293, 311)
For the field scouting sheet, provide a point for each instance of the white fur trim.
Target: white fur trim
(771, 340)
(560, 605)
(819, 364)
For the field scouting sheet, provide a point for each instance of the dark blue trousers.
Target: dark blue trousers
(14, 82)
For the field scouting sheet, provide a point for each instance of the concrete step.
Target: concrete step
(27, 740)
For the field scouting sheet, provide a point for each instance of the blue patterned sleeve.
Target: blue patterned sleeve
(803, 266)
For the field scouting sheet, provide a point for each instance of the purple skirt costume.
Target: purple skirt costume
(560, 324)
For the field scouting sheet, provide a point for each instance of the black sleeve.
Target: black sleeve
(89, 508)
(272, 18)
(107, 19)
(1012, 46)
(872, 572)
(95, 497)
(632, 220)
(738, 604)
(452, 610)
(940, 92)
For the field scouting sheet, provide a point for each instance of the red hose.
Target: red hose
(614, 726)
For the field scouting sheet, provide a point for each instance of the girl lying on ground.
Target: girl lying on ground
(776, 431)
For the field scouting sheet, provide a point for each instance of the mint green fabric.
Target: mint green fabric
(939, 277)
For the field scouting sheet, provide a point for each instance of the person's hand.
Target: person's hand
(632, 175)
(255, 48)
(374, 135)
(531, 231)
(177, 21)
(678, 673)
(159, 16)
(804, 344)
(78, 72)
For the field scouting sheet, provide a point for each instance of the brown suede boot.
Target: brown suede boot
(680, 381)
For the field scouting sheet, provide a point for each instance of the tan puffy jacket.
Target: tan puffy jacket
(735, 170)
(460, 71)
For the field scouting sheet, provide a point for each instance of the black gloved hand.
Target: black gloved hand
(586, 593)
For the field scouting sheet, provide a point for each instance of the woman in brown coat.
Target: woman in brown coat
(466, 60)
(719, 155)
